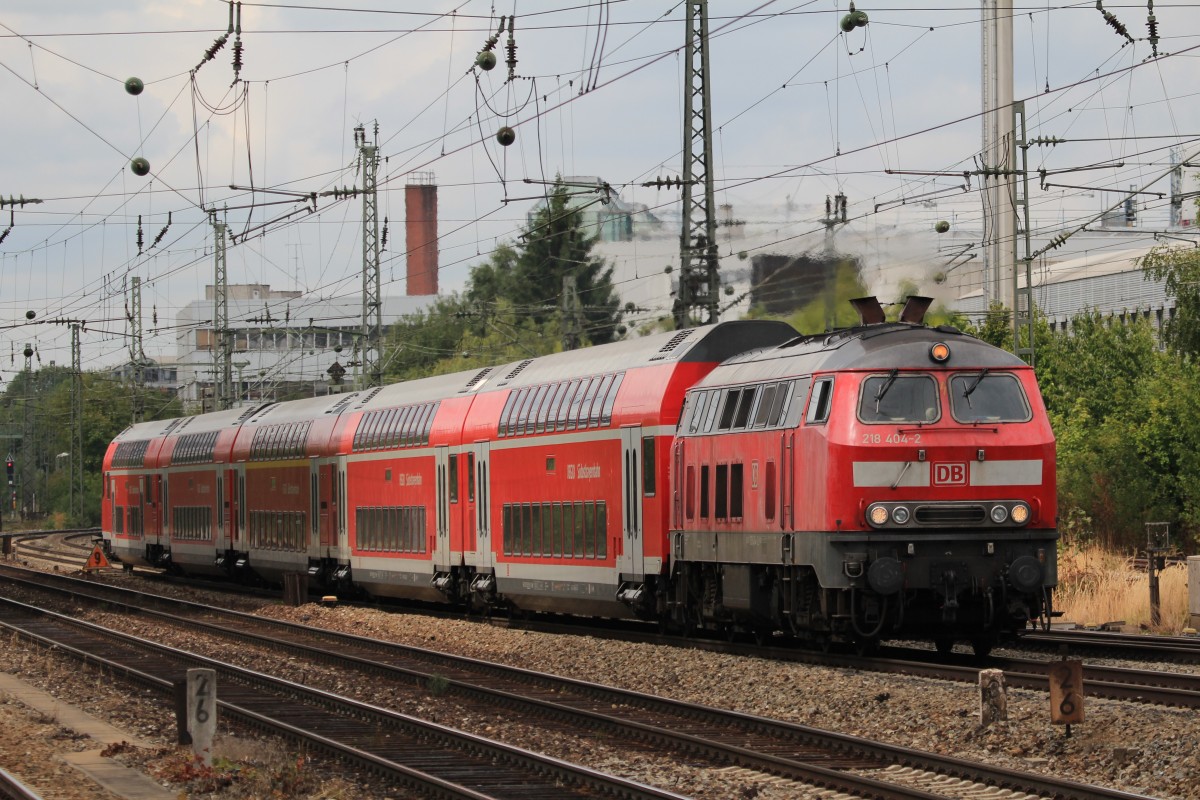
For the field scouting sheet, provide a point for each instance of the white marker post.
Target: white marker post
(202, 711)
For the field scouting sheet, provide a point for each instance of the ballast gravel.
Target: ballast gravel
(1144, 749)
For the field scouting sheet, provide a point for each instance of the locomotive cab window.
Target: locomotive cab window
(988, 397)
(899, 398)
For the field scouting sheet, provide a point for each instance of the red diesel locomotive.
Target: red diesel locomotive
(885, 480)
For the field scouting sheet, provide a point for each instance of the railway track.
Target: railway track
(408, 752)
(12, 789)
(721, 738)
(1118, 683)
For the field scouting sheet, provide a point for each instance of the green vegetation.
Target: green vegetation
(42, 400)
(513, 307)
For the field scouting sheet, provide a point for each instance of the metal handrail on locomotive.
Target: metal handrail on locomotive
(881, 481)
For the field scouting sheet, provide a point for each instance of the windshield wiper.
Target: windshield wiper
(883, 388)
(975, 385)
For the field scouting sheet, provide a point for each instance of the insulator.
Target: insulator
(154, 314)
(139, 235)
(511, 47)
(383, 243)
(828, 206)
(237, 57)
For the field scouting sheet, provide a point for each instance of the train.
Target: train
(881, 481)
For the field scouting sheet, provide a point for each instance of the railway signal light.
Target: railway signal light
(9, 464)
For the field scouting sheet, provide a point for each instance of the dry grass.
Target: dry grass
(1095, 586)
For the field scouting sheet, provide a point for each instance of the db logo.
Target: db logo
(950, 474)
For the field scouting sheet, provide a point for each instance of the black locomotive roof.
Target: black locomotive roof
(866, 347)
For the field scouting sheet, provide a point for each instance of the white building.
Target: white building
(283, 344)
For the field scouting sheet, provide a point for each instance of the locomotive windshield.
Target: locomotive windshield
(988, 397)
(899, 398)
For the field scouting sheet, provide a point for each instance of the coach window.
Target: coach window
(535, 525)
(820, 402)
(598, 405)
(507, 413)
(506, 520)
(537, 414)
(589, 529)
(453, 478)
(564, 405)
(579, 530)
(544, 413)
(721, 493)
(610, 402)
(471, 477)
(403, 432)
(528, 397)
(648, 470)
(580, 417)
(556, 530)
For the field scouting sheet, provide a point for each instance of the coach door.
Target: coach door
(478, 496)
(441, 545)
(629, 563)
(327, 505)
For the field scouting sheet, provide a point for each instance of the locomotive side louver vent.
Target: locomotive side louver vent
(671, 344)
(950, 514)
(518, 369)
(478, 377)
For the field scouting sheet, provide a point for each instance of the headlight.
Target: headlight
(877, 515)
(1020, 513)
(999, 514)
(900, 515)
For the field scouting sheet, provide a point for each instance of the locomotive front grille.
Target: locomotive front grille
(950, 514)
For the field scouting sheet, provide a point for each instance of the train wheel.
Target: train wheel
(982, 646)
(866, 647)
(943, 644)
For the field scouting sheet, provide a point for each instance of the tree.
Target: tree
(1179, 270)
(530, 274)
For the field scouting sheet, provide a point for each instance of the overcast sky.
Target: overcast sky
(800, 110)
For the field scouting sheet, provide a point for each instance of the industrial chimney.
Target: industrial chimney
(420, 230)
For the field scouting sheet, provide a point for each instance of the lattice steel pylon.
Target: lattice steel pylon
(76, 458)
(699, 264)
(222, 340)
(372, 306)
(137, 356)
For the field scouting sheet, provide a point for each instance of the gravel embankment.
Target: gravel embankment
(1145, 749)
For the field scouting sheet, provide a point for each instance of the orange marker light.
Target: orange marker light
(940, 352)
